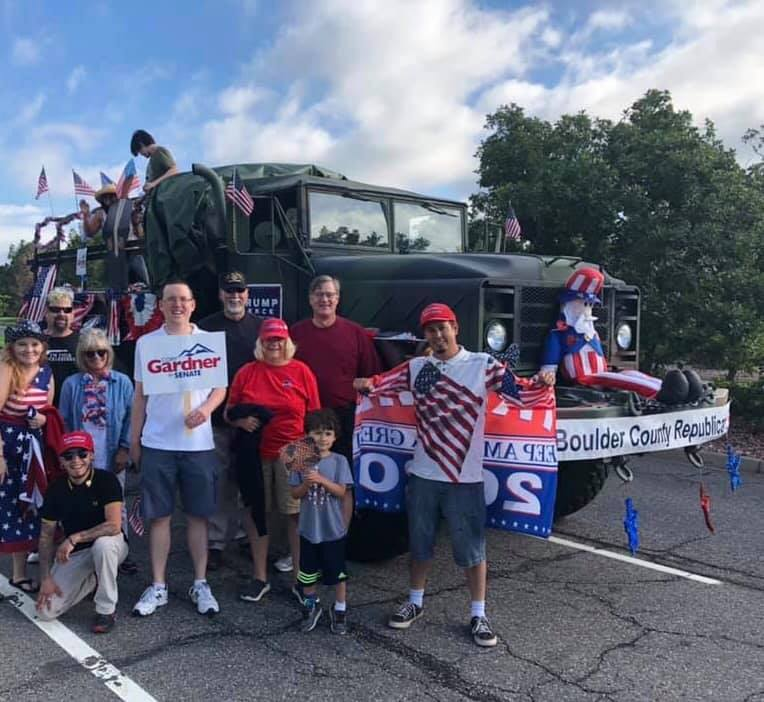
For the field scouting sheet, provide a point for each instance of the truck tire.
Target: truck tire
(578, 483)
(377, 536)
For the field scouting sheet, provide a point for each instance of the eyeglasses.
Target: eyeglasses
(92, 353)
(59, 310)
(75, 453)
(327, 295)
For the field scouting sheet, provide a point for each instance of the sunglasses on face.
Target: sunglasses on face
(101, 353)
(60, 310)
(234, 291)
(74, 453)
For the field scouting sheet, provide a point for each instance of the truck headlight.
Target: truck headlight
(623, 336)
(496, 336)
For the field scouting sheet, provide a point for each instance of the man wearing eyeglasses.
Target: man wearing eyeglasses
(87, 503)
(62, 340)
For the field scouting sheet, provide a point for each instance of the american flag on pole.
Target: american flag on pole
(81, 186)
(35, 301)
(512, 230)
(128, 181)
(83, 303)
(105, 180)
(42, 184)
(239, 195)
(112, 326)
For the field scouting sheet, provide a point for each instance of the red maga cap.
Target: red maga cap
(436, 312)
(76, 439)
(274, 328)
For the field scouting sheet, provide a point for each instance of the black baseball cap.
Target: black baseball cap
(233, 280)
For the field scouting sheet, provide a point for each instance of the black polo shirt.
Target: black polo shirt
(81, 507)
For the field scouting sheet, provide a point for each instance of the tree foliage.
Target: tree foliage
(657, 201)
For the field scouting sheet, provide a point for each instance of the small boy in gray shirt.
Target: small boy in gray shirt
(322, 525)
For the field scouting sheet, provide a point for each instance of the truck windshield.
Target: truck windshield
(347, 220)
(431, 228)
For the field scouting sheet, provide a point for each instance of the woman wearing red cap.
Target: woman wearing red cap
(277, 382)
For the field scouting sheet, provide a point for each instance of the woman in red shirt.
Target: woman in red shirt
(287, 388)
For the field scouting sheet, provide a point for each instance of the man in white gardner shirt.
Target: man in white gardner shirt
(175, 450)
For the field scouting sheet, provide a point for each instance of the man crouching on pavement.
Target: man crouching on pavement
(87, 503)
(450, 388)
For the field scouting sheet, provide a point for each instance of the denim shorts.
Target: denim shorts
(194, 473)
(463, 508)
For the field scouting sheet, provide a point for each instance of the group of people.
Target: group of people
(221, 448)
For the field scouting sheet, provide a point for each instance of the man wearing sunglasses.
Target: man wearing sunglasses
(87, 503)
(62, 340)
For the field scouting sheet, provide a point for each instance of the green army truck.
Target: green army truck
(394, 252)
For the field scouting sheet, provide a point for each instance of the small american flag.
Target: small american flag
(134, 519)
(112, 326)
(36, 483)
(239, 195)
(83, 303)
(81, 186)
(105, 180)
(128, 181)
(42, 184)
(512, 229)
(35, 301)
(518, 392)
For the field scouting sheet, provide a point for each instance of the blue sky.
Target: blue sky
(392, 92)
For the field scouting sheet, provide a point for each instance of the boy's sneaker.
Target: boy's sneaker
(202, 597)
(311, 613)
(338, 621)
(482, 634)
(103, 623)
(284, 564)
(298, 590)
(151, 598)
(405, 616)
(253, 590)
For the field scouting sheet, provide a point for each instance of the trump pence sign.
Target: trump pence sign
(178, 363)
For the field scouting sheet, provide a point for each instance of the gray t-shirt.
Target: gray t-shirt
(321, 517)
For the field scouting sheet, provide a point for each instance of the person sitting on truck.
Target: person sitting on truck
(450, 388)
(92, 222)
(161, 165)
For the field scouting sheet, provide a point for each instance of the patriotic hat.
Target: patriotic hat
(584, 284)
(76, 439)
(24, 329)
(273, 328)
(109, 189)
(436, 312)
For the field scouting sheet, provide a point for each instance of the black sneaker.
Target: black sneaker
(214, 559)
(253, 590)
(482, 634)
(298, 590)
(311, 613)
(405, 616)
(338, 621)
(103, 623)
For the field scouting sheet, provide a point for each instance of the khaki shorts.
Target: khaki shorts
(276, 483)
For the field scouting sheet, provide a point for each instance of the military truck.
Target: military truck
(395, 251)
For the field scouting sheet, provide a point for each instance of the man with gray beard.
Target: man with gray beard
(241, 329)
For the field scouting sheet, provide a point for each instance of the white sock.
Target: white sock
(416, 597)
(197, 583)
(340, 606)
(477, 608)
(159, 586)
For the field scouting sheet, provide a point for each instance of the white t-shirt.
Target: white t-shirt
(164, 427)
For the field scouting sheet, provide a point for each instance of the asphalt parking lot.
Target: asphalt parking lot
(572, 625)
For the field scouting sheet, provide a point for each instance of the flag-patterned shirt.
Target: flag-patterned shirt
(450, 401)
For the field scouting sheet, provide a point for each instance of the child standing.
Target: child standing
(322, 526)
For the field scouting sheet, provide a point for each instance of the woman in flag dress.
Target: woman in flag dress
(25, 382)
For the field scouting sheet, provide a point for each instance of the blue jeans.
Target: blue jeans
(463, 508)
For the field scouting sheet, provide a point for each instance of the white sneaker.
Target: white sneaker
(33, 557)
(202, 597)
(284, 564)
(151, 598)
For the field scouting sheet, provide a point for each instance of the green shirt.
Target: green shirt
(160, 162)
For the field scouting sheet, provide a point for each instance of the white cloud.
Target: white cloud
(25, 52)
(17, 223)
(29, 112)
(608, 19)
(75, 79)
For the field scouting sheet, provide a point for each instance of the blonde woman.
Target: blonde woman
(26, 383)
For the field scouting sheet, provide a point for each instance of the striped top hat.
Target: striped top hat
(584, 284)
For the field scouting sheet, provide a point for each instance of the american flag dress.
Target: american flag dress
(19, 526)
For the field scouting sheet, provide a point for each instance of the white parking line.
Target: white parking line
(122, 686)
(634, 561)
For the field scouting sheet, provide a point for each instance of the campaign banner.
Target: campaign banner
(579, 439)
(519, 461)
(172, 364)
(265, 300)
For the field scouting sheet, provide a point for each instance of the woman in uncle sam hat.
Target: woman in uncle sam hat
(574, 346)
